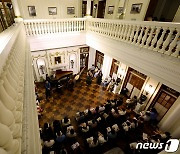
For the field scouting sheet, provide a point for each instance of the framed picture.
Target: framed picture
(110, 9)
(136, 8)
(32, 10)
(57, 60)
(70, 10)
(120, 10)
(52, 10)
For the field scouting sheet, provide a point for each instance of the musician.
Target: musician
(70, 84)
(48, 89)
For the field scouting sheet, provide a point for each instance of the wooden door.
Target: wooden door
(101, 9)
(114, 67)
(133, 82)
(164, 100)
(84, 56)
(99, 59)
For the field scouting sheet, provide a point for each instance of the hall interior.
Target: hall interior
(135, 42)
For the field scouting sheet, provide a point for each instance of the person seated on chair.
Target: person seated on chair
(115, 127)
(106, 81)
(112, 134)
(70, 132)
(126, 126)
(84, 127)
(66, 121)
(79, 116)
(101, 108)
(122, 111)
(93, 142)
(134, 123)
(60, 137)
(49, 143)
(115, 113)
(93, 124)
(102, 138)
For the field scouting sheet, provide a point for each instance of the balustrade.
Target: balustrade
(155, 36)
(159, 37)
(41, 27)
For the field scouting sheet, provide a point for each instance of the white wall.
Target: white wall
(49, 57)
(107, 62)
(92, 56)
(42, 8)
(45, 42)
(111, 3)
(177, 16)
(127, 4)
(138, 16)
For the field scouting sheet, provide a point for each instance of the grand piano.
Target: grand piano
(61, 77)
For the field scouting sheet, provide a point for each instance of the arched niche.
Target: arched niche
(72, 61)
(41, 66)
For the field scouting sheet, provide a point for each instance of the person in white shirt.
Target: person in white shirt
(94, 142)
(122, 111)
(101, 108)
(102, 138)
(66, 121)
(49, 143)
(84, 127)
(70, 132)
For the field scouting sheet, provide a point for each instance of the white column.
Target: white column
(16, 11)
(92, 56)
(107, 62)
(88, 8)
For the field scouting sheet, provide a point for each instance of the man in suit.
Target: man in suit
(48, 89)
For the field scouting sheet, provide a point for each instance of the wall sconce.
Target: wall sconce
(72, 63)
(148, 89)
(121, 73)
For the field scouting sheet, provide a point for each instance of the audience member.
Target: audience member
(49, 143)
(60, 137)
(70, 132)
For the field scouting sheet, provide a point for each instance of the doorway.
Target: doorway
(99, 59)
(101, 9)
(114, 68)
(84, 56)
(134, 82)
(164, 100)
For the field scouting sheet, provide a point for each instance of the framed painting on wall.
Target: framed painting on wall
(32, 10)
(110, 9)
(52, 10)
(120, 10)
(57, 60)
(70, 10)
(136, 8)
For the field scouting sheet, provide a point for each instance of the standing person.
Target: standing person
(99, 78)
(48, 89)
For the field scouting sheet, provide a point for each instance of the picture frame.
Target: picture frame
(120, 10)
(70, 10)
(52, 10)
(110, 9)
(57, 60)
(32, 11)
(136, 8)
